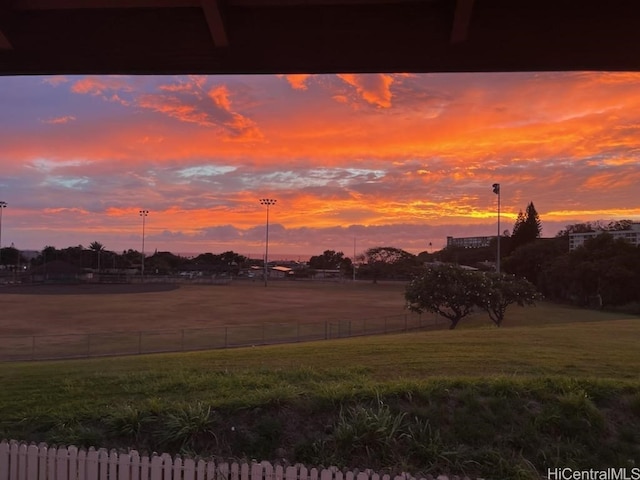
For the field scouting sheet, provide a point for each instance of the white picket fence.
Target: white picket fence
(20, 461)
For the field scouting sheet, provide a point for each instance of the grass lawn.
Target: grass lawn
(554, 387)
(606, 349)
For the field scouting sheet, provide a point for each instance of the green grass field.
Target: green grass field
(555, 387)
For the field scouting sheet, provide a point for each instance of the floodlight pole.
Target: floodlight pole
(143, 214)
(268, 202)
(353, 264)
(496, 190)
(3, 205)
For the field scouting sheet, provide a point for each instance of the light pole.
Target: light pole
(353, 263)
(496, 190)
(143, 214)
(268, 202)
(3, 205)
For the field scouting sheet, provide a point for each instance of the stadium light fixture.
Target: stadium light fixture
(267, 202)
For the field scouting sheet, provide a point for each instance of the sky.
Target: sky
(400, 160)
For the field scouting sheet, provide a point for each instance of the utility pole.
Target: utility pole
(3, 205)
(496, 190)
(143, 214)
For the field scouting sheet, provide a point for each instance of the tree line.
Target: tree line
(97, 257)
(602, 272)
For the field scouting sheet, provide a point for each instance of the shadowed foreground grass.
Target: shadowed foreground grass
(501, 403)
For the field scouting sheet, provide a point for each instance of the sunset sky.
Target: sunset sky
(397, 160)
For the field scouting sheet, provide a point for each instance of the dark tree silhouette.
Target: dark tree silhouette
(98, 248)
(448, 290)
(527, 227)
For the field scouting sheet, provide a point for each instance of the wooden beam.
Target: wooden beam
(89, 4)
(4, 42)
(315, 3)
(216, 24)
(461, 21)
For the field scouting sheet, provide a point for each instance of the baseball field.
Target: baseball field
(555, 386)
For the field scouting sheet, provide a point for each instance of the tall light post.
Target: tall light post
(143, 214)
(3, 205)
(496, 190)
(353, 263)
(268, 202)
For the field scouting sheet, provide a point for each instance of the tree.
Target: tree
(389, 262)
(130, 258)
(448, 290)
(48, 254)
(613, 225)
(331, 260)
(227, 262)
(527, 227)
(530, 260)
(606, 268)
(163, 262)
(576, 228)
(618, 225)
(97, 247)
(498, 291)
(11, 256)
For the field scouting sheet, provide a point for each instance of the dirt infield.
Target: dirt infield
(72, 309)
(65, 321)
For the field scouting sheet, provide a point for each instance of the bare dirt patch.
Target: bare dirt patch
(72, 309)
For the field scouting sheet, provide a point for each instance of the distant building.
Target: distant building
(469, 242)
(632, 236)
(280, 271)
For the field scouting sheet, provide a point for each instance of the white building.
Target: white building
(632, 236)
(469, 242)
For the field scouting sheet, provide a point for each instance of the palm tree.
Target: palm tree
(97, 247)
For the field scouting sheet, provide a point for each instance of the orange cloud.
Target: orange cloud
(101, 85)
(612, 180)
(425, 155)
(56, 80)
(59, 120)
(373, 88)
(298, 81)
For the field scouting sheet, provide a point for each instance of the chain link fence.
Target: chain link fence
(85, 345)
